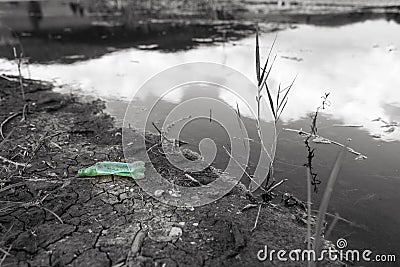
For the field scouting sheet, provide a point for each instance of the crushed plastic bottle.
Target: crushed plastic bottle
(134, 170)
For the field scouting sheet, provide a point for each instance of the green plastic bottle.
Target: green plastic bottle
(134, 170)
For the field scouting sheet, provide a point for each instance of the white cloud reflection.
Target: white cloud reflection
(358, 64)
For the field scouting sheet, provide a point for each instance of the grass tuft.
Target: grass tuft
(276, 103)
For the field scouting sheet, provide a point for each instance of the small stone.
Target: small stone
(159, 193)
(182, 223)
(175, 232)
(190, 208)
(174, 193)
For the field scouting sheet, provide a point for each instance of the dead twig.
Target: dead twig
(7, 78)
(192, 179)
(4, 252)
(136, 245)
(25, 111)
(304, 133)
(353, 224)
(158, 129)
(24, 165)
(271, 188)
(7, 253)
(153, 146)
(258, 216)
(39, 145)
(52, 212)
(249, 206)
(7, 120)
(162, 134)
(36, 203)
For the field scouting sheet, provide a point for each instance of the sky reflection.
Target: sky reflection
(358, 64)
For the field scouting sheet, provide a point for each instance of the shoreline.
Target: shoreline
(49, 217)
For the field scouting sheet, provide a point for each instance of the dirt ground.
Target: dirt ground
(51, 217)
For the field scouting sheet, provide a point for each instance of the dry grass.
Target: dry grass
(276, 103)
(18, 59)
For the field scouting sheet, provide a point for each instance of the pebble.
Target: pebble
(175, 232)
(158, 193)
(175, 193)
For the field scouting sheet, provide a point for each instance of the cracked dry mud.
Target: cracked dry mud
(49, 217)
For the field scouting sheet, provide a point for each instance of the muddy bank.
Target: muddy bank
(50, 217)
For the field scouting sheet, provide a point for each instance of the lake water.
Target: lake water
(357, 63)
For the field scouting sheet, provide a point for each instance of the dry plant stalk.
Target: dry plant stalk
(312, 180)
(7, 253)
(18, 59)
(323, 208)
(276, 104)
(12, 116)
(304, 133)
